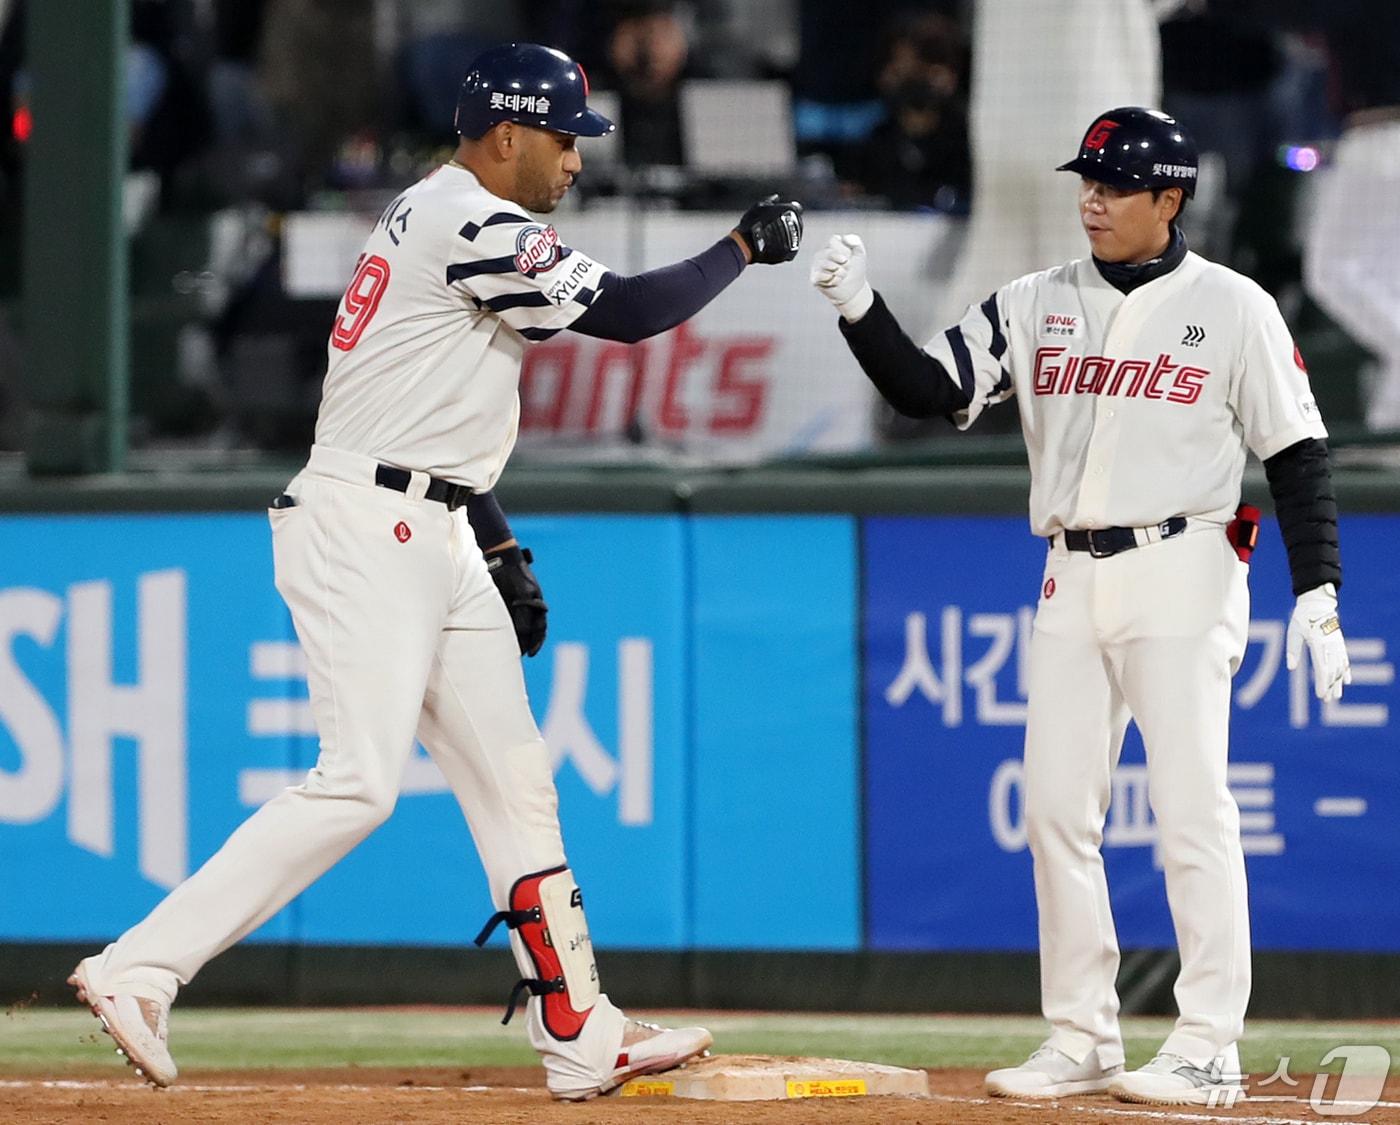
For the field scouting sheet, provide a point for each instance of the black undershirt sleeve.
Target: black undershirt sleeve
(1301, 485)
(633, 308)
(910, 379)
(488, 521)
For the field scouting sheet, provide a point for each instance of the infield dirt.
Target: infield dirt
(515, 1096)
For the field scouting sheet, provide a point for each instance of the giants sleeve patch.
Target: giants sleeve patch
(536, 249)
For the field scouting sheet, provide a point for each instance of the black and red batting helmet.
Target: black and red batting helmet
(1135, 148)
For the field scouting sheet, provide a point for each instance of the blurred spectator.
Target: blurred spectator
(440, 38)
(1218, 76)
(321, 73)
(166, 104)
(647, 53)
(241, 113)
(1352, 260)
(918, 157)
(1039, 71)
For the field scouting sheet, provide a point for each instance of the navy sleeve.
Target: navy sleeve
(488, 521)
(633, 308)
(910, 379)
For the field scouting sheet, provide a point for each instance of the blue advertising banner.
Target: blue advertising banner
(777, 772)
(608, 692)
(948, 610)
(138, 693)
(152, 696)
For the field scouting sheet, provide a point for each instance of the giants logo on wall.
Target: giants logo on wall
(536, 249)
(1099, 134)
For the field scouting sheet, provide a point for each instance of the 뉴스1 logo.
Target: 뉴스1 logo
(1060, 324)
(536, 249)
(1098, 136)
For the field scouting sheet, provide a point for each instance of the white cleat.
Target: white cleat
(1173, 1080)
(646, 1049)
(1050, 1073)
(137, 1025)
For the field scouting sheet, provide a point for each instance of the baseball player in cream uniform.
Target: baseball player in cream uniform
(1143, 373)
(410, 596)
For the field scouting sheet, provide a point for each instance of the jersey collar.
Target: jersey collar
(1127, 276)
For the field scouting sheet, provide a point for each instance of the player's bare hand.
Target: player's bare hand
(771, 231)
(839, 275)
(519, 589)
(1315, 624)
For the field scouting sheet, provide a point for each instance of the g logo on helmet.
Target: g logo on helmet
(1098, 135)
(536, 249)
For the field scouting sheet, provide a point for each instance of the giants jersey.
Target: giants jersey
(424, 357)
(1135, 407)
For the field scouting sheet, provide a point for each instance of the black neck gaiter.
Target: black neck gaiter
(1127, 276)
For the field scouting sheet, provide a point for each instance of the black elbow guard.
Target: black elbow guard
(1301, 485)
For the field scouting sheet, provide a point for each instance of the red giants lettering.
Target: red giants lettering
(678, 384)
(1125, 378)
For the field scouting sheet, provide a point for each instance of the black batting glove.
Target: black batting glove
(771, 230)
(510, 570)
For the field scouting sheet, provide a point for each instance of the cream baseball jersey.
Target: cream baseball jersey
(424, 355)
(1135, 408)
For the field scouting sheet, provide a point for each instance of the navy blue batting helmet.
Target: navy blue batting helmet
(1136, 148)
(530, 85)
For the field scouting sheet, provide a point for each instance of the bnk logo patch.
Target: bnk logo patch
(1059, 324)
(536, 249)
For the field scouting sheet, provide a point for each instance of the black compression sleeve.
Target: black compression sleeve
(632, 308)
(1301, 485)
(488, 520)
(912, 381)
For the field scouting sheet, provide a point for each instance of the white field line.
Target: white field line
(1152, 1114)
(194, 1088)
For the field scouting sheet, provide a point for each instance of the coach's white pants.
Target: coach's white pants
(1352, 268)
(405, 636)
(1155, 633)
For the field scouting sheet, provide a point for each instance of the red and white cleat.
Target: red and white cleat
(138, 1025)
(647, 1049)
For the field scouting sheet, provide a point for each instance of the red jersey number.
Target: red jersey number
(362, 299)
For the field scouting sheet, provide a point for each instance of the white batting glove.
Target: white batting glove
(839, 275)
(1316, 624)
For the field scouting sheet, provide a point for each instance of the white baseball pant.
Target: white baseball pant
(1154, 633)
(405, 636)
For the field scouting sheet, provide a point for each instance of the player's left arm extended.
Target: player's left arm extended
(509, 564)
(1301, 485)
(636, 307)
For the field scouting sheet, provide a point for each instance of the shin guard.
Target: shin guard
(546, 912)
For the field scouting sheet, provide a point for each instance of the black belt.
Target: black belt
(1107, 541)
(443, 491)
